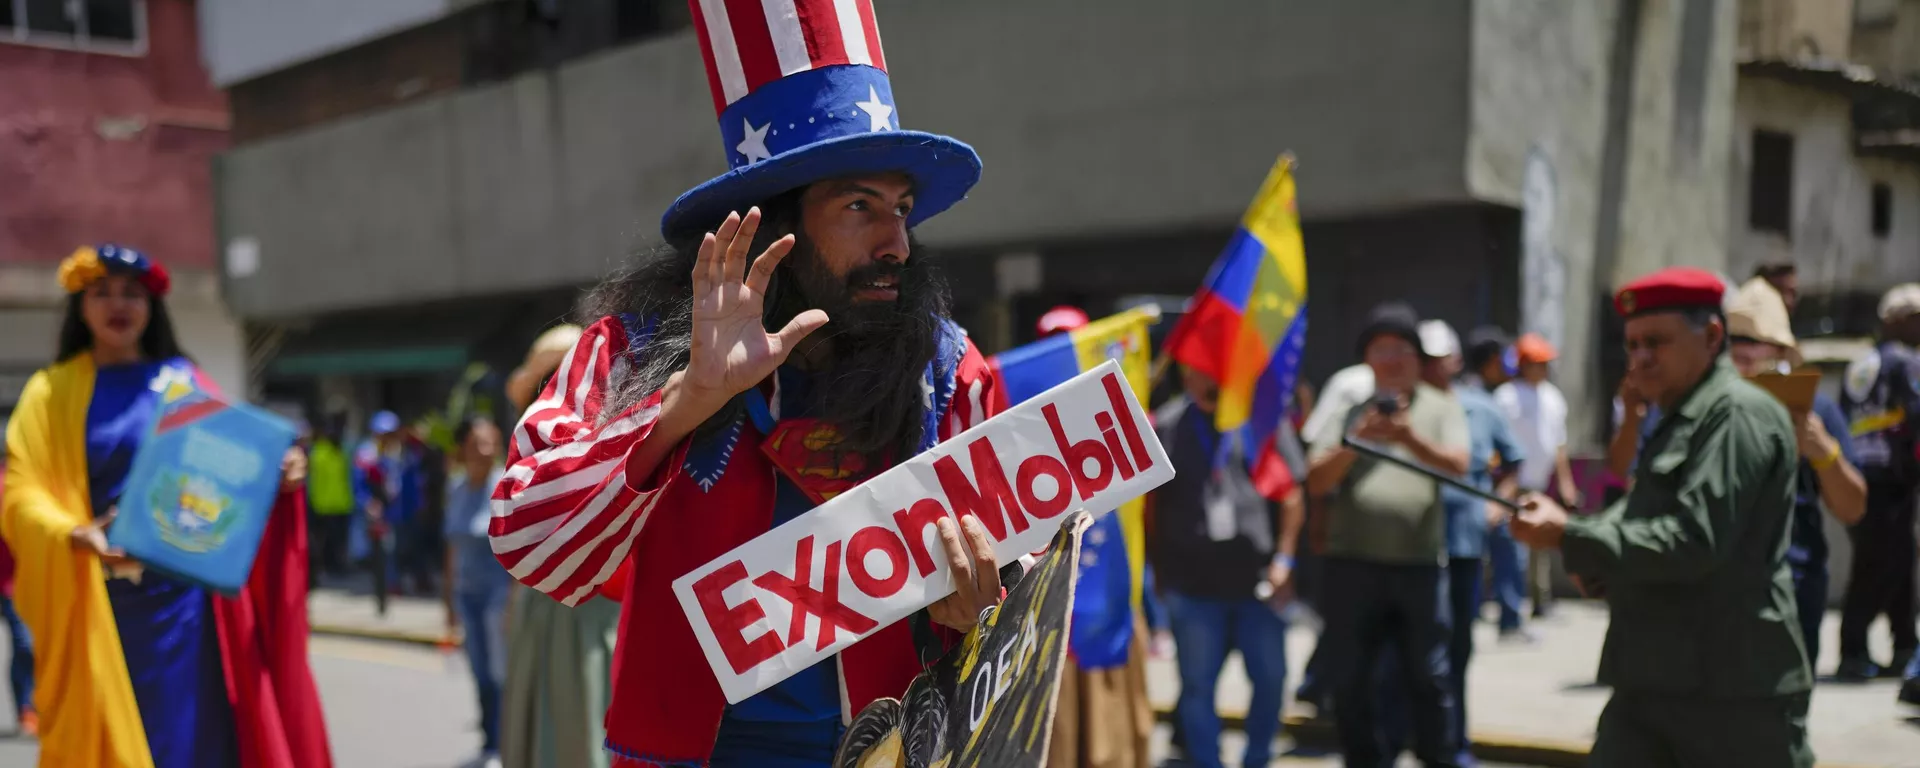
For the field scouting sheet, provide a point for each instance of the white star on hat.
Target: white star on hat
(754, 146)
(879, 115)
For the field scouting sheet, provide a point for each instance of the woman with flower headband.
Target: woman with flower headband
(139, 670)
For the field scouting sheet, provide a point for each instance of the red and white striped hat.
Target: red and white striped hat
(802, 92)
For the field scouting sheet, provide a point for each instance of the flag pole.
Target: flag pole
(1160, 364)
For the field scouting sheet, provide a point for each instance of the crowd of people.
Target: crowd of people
(790, 297)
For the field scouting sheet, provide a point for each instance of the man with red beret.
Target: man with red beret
(1703, 652)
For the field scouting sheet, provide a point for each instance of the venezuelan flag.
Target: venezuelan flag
(1247, 325)
(1114, 549)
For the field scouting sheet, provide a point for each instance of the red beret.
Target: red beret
(1669, 289)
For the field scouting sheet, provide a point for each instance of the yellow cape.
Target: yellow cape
(88, 716)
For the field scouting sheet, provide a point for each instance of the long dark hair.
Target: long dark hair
(872, 394)
(156, 343)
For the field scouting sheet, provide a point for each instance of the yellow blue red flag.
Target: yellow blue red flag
(1113, 551)
(1247, 326)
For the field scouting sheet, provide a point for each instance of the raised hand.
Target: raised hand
(731, 348)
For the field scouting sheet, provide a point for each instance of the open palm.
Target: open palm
(731, 348)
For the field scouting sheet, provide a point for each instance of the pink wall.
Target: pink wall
(63, 183)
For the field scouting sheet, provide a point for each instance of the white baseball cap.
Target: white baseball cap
(1437, 339)
(1901, 300)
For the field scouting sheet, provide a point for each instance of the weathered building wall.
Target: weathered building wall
(1831, 236)
(97, 147)
(1607, 125)
(1887, 37)
(1680, 145)
(1540, 79)
(1796, 29)
(543, 180)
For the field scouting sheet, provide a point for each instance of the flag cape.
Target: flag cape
(85, 695)
(1247, 325)
(1113, 550)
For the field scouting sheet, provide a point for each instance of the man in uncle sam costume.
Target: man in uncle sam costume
(786, 343)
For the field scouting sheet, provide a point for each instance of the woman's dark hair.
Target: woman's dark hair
(156, 343)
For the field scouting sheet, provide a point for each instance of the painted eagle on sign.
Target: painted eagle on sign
(989, 702)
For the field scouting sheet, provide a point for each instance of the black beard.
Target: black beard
(870, 387)
(870, 384)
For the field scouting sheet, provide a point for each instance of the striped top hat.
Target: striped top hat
(802, 91)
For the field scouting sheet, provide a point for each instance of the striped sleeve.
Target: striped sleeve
(975, 396)
(566, 513)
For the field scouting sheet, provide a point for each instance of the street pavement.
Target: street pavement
(1542, 696)
(388, 705)
(408, 704)
(1538, 697)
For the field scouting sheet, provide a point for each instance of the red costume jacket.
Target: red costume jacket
(568, 517)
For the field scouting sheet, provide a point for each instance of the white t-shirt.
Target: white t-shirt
(1538, 415)
(1348, 387)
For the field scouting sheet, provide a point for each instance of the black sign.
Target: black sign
(989, 702)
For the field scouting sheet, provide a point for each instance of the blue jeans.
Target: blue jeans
(483, 616)
(1374, 610)
(1204, 630)
(22, 664)
(1509, 575)
(1810, 598)
(1154, 612)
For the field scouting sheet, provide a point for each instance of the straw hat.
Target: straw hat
(543, 358)
(1758, 312)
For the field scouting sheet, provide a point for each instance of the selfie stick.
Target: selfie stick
(1374, 451)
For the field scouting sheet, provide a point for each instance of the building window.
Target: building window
(112, 26)
(1770, 185)
(1882, 210)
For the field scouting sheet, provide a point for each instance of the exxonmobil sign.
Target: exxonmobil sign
(872, 556)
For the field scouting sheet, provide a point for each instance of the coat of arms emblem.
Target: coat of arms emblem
(190, 513)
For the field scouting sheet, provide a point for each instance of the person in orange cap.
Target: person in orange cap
(1703, 651)
(1538, 413)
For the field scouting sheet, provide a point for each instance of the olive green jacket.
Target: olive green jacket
(1693, 560)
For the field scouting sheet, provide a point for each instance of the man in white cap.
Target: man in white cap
(1882, 401)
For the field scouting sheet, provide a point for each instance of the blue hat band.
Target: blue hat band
(806, 108)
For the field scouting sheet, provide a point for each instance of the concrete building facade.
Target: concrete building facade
(1826, 162)
(108, 128)
(1492, 161)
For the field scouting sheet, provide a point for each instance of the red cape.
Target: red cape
(263, 648)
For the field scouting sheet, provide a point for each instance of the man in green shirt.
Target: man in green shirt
(1704, 652)
(1386, 552)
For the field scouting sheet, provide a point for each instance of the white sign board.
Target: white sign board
(872, 556)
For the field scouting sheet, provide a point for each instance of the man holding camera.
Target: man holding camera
(1386, 551)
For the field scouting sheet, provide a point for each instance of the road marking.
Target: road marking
(385, 654)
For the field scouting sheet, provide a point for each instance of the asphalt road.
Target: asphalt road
(387, 706)
(403, 706)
